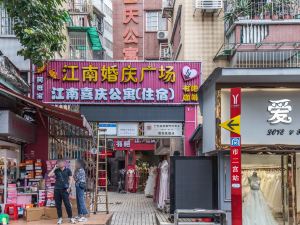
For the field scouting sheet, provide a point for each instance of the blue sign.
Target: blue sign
(235, 141)
(109, 128)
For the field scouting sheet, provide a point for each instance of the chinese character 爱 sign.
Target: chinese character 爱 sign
(118, 82)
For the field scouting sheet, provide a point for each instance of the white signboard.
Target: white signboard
(128, 129)
(269, 116)
(163, 129)
(110, 128)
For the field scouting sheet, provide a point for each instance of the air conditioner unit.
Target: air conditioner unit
(162, 35)
(208, 5)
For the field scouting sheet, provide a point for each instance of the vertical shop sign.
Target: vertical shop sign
(131, 35)
(233, 125)
(235, 157)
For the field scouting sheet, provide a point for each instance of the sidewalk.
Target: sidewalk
(131, 209)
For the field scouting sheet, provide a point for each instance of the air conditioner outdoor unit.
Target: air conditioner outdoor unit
(162, 35)
(208, 5)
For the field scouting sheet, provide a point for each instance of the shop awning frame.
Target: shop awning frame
(51, 111)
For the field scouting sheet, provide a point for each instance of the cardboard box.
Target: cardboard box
(34, 214)
(50, 213)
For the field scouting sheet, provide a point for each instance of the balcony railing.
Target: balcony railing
(80, 6)
(167, 8)
(239, 10)
(261, 55)
(266, 59)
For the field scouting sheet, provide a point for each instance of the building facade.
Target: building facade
(10, 45)
(261, 50)
(196, 31)
(140, 30)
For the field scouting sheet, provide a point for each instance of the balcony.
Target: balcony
(277, 11)
(264, 55)
(209, 5)
(80, 7)
(167, 8)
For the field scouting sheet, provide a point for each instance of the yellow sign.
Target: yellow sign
(233, 125)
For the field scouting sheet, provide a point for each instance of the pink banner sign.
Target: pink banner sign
(119, 82)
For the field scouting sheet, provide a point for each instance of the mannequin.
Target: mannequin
(255, 209)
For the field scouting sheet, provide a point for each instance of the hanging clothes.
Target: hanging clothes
(150, 184)
(164, 185)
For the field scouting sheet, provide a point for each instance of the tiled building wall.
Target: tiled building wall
(148, 44)
(203, 36)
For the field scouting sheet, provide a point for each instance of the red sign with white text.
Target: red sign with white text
(235, 159)
(134, 145)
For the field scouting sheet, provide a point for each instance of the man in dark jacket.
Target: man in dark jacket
(62, 188)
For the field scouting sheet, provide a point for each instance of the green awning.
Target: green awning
(93, 36)
(68, 19)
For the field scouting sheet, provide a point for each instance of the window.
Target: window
(108, 44)
(108, 27)
(107, 10)
(155, 22)
(100, 24)
(6, 23)
(79, 46)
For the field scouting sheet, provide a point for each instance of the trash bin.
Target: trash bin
(199, 217)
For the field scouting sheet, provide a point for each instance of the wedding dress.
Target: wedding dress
(130, 179)
(150, 184)
(255, 208)
(164, 184)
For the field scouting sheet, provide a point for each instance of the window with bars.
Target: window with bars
(155, 22)
(6, 23)
(79, 46)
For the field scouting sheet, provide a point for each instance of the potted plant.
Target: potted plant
(240, 9)
(267, 10)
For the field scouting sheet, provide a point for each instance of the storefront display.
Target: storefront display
(262, 189)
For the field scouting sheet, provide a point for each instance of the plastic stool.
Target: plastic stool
(15, 207)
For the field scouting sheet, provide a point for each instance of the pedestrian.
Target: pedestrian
(62, 189)
(80, 184)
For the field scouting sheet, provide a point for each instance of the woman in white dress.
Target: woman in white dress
(164, 184)
(150, 184)
(255, 208)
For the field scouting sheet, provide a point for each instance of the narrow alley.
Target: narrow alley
(132, 209)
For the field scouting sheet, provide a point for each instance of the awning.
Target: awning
(51, 111)
(93, 36)
(197, 134)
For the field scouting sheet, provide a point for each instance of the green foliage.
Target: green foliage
(38, 25)
(239, 8)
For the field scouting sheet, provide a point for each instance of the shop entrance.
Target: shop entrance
(269, 183)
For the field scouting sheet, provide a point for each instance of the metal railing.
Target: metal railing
(80, 6)
(239, 10)
(6, 22)
(79, 46)
(267, 59)
(261, 55)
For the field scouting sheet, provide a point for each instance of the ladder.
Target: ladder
(101, 192)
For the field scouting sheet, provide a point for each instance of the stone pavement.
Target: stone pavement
(131, 209)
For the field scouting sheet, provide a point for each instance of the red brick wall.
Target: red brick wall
(146, 40)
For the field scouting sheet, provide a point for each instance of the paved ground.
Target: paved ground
(131, 209)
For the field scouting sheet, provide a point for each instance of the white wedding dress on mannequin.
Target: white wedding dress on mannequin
(255, 208)
(150, 184)
(164, 184)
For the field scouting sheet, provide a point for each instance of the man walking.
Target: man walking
(62, 189)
